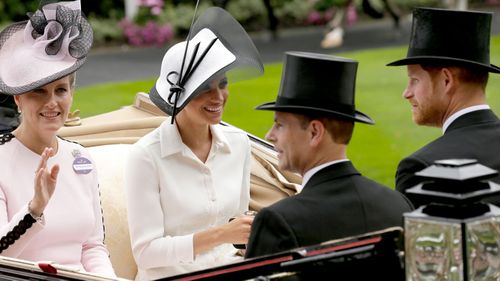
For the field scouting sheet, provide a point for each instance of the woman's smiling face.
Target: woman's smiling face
(46, 108)
(208, 106)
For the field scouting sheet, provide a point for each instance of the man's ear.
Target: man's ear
(449, 79)
(317, 132)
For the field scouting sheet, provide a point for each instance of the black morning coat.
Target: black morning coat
(336, 202)
(475, 135)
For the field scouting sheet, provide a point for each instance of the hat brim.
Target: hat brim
(357, 117)
(160, 102)
(34, 71)
(431, 59)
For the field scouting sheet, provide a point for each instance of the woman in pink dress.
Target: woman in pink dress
(49, 197)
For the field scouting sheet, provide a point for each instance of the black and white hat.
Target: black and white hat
(219, 45)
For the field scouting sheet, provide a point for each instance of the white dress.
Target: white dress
(171, 195)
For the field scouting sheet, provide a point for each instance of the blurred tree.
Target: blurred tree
(15, 10)
(220, 3)
(271, 17)
(104, 8)
(323, 5)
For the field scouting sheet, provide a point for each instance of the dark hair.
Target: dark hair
(339, 129)
(465, 72)
(9, 116)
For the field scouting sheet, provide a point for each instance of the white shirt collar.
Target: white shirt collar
(461, 112)
(314, 170)
(171, 142)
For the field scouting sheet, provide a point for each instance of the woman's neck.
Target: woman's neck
(35, 142)
(196, 136)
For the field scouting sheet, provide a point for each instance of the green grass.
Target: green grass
(375, 150)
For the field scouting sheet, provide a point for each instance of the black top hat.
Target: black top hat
(450, 36)
(317, 83)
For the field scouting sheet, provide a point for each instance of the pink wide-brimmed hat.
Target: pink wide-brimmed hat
(52, 44)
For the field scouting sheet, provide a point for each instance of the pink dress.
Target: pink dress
(71, 232)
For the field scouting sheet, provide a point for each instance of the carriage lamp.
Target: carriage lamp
(456, 236)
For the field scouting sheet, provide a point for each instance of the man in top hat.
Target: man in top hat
(313, 123)
(448, 63)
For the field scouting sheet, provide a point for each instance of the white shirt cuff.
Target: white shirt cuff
(184, 248)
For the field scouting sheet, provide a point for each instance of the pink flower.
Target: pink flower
(314, 17)
(165, 34)
(352, 15)
(328, 15)
(156, 10)
(153, 3)
(150, 33)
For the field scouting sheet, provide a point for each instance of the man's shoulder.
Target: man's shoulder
(284, 204)
(471, 142)
(376, 190)
(287, 209)
(432, 148)
(460, 142)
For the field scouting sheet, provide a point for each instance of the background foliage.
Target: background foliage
(15, 10)
(106, 15)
